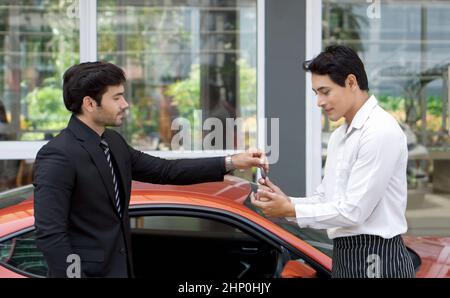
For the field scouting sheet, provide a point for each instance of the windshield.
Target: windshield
(316, 238)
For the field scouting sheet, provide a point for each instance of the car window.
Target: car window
(182, 223)
(15, 196)
(181, 246)
(316, 238)
(21, 253)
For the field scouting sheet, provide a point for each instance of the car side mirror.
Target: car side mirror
(297, 269)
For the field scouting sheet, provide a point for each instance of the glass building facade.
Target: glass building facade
(405, 48)
(183, 59)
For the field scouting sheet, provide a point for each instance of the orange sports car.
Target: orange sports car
(207, 230)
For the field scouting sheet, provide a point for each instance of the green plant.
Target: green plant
(434, 105)
(391, 103)
(46, 110)
(186, 93)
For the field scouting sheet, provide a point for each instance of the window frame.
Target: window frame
(27, 150)
(313, 140)
(230, 218)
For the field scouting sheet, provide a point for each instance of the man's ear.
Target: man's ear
(89, 104)
(351, 82)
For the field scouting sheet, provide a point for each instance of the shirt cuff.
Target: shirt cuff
(296, 200)
(293, 200)
(304, 215)
(223, 166)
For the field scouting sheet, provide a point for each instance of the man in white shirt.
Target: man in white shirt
(362, 198)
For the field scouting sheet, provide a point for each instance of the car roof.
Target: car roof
(232, 189)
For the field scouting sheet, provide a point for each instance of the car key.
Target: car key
(263, 173)
(264, 176)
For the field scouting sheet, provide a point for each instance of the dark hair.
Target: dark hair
(89, 79)
(338, 62)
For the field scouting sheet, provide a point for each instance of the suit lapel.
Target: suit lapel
(98, 156)
(89, 142)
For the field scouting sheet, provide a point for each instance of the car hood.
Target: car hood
(434, 253)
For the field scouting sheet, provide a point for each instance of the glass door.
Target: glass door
(405, 48)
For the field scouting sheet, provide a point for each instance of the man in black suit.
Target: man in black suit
(83, 177)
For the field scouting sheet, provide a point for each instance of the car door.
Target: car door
(175, 241)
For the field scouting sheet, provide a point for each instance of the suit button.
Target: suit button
(122, 250)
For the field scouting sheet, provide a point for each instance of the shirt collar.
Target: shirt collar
(82, 131)
(363, 114)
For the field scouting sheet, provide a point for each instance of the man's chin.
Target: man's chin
(115, 124)
(334, 118)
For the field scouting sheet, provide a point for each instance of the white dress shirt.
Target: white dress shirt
(364, 189)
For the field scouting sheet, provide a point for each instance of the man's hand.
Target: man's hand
(272, 201)
(267, 185)
(247, 160)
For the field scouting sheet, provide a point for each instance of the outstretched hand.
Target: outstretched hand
(272, 201)
(247, 160)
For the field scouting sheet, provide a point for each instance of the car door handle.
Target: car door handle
(253, 249)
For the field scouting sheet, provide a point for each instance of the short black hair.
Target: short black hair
(339, 61)
(89, 79)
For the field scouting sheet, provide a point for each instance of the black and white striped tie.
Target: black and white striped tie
(105, 148)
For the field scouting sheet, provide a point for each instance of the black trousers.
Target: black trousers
(369, 256)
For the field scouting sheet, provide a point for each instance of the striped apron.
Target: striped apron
(370, 256)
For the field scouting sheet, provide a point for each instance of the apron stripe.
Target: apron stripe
(369, 256)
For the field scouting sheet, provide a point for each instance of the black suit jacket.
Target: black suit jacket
(74, 197)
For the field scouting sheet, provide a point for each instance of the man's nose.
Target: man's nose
(125, 104)
(320, 101)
